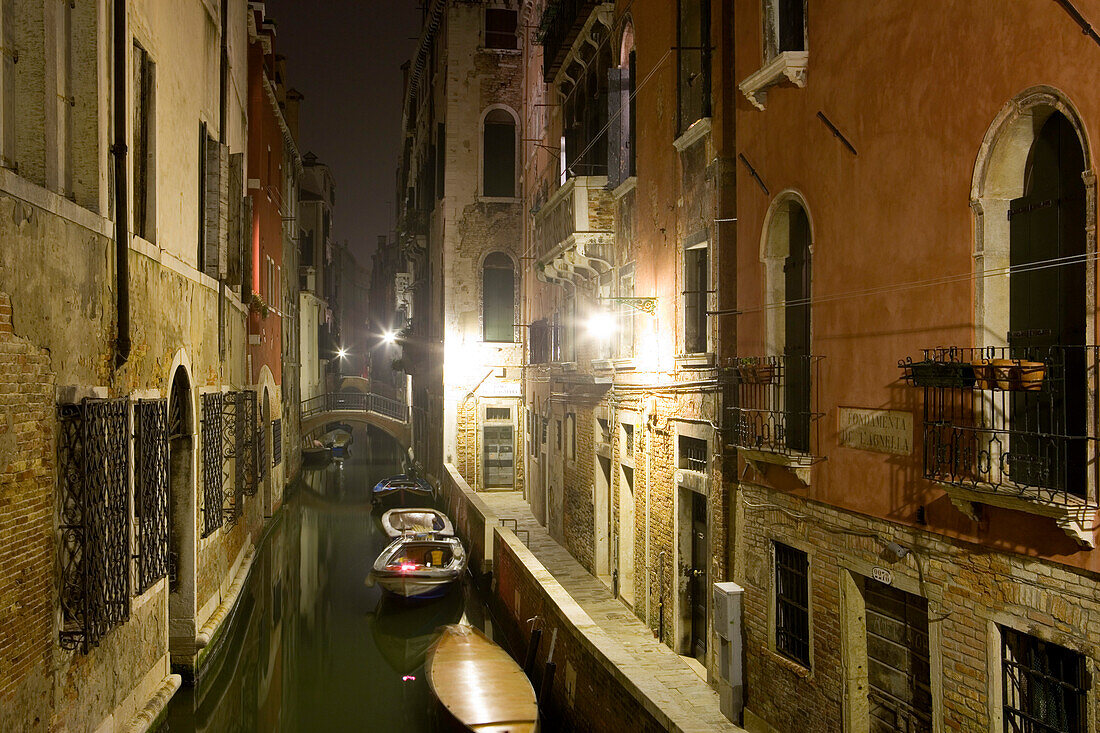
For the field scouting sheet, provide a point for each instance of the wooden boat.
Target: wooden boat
(402, 488)
(316, 455)
(403, 521)
(479, 685)
(420, 566)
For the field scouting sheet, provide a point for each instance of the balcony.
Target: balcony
(562, 22)
(1011, 427)
(575, 231)
(774, 410)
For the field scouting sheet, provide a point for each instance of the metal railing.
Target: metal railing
(773, 406)
(1009, 420)
(365, 402)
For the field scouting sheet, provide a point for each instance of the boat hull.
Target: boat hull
(419, 566)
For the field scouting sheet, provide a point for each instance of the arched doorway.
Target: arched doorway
(182, 517)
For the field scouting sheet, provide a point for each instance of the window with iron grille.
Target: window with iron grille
(498, 413)
(693, 454)
(212, 449)
(94, 522)
(1044, 685)
(151, 491)
(628, 439)
(276, 442)
(500, 28)
(792, 611)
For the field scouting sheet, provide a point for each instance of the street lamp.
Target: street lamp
(389, 337)
(601, 324)
(341, 352)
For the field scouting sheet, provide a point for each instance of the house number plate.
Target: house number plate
(882, 575)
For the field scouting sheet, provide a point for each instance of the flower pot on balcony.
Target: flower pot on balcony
(931, 373)
(983, 374)
(756, 373)
(1018, 374)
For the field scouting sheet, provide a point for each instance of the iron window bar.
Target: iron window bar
(1044, 685)
(1010, 420)
(774, 404)
(212, 477)
(151, 491)
(93, 477)
(792, 614)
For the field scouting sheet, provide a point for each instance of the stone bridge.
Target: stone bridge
(357, 408)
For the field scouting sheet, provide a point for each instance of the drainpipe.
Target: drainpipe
(122, 213)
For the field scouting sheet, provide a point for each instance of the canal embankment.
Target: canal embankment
(608, 673)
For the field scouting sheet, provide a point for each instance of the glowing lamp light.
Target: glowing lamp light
(389, 337)
(408, 567)
(601, 324)
(408, 678)
(342, 352)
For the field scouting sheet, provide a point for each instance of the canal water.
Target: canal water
(310, 647)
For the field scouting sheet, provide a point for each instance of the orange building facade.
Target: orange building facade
(916, 544)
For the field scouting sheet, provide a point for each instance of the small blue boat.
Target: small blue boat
(403, 490)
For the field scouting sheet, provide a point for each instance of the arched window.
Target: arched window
(788, 271)
(498, 163)
(498, 294)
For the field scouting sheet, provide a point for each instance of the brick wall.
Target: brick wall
(970, 593)
(588, 693)
(27, 597)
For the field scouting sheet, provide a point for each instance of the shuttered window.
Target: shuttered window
(500, 28)
(695, 300)
(498, 298)
(898, 673)
(499, 155)
(792, 25)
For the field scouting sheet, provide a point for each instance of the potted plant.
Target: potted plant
(754, 371)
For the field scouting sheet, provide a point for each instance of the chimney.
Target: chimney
(293, 102)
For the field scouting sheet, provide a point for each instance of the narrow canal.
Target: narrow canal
(310, 646)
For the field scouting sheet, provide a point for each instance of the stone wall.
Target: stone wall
(27, 501)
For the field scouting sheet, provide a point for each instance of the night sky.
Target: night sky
(345, 56)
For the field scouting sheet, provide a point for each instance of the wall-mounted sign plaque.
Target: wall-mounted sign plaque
(883, 431)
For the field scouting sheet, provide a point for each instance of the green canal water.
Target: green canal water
(310, 647)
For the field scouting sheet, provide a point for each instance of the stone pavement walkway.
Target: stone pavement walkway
(662, 674)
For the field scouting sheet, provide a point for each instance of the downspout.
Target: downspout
(122, 212)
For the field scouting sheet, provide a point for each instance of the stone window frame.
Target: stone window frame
(148, 228)
(481, 294)
(995, 660)
(516, 167)
(506, 6)
(853, 635)
(777, 66)
(483, 407)
(699, 241)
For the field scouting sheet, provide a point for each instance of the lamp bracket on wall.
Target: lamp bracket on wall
(646, 305)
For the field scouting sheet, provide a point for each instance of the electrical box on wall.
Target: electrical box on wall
(726, 621)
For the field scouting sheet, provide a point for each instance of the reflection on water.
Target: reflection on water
(310, 646)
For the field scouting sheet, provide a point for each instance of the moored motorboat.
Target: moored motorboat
(479, 685)
(419, 520)
(402, 489)
(420, 566)
(316, 455)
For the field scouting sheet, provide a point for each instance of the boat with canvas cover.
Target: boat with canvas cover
(420, 566)
(419, 520)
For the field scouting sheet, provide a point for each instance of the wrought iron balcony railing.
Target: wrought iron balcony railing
(773, 406)
(1017, 422)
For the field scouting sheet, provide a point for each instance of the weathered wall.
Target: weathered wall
(27, 501)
